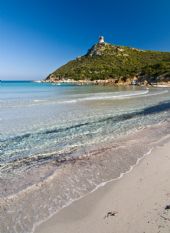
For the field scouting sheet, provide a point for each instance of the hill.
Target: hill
(106, 61)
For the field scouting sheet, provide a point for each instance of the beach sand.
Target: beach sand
(133, 204)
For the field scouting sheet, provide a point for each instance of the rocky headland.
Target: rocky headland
(108, 64)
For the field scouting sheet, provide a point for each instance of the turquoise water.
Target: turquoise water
(76, 133)
(40, 118)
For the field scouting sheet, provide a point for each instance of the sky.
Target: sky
(38, 36)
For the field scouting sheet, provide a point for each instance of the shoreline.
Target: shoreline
(105, 82)
(43, 194)
(80, 214)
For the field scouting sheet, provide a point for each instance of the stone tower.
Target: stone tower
(101, 39)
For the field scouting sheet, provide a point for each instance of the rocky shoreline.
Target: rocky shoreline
(122, 81)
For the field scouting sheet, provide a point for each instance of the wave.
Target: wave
(37, 101)
(107, 96)
(89, 97)
(95, 96)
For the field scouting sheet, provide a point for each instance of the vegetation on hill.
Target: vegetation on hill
(106, 61)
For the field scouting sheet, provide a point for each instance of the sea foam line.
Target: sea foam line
(111, 97)
(96, 188)
(98, 96)
(106, 97)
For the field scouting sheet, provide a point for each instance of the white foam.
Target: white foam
(102, 96)
(123, 173)
(68, 101)
(159, 93)
(108, 96)
(38, 101)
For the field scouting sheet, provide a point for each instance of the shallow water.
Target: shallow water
(57, 143)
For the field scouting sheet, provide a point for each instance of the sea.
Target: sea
(59, 142)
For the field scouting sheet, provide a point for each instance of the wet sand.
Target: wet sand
(136, 203)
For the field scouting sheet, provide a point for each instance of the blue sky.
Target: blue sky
(37, 36)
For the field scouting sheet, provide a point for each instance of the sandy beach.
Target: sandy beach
(136, 203)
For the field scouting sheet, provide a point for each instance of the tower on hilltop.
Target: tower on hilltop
(101, 39)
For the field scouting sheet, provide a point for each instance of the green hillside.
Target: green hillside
(107, 61)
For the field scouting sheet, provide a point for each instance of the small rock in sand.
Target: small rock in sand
(167, 207)
(110, 213)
